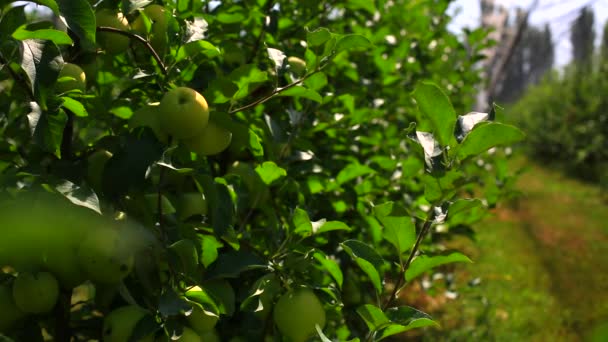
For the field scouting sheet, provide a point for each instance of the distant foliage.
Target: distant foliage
(567, 122)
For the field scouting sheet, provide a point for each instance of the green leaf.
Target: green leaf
(437, 108)
(247, 78)
(329, 265)
(193, 49)
(302, 92)
(185, 257)
(367, 259)
(12, 19)
(46, 128)
(80, 19)
(352, 42)
(74, 106)
(201, 298)
(400, 230)
(232, 264)
(405, 318)
(270, 172)
(41, 61)
(441, 186)
(221, 207)
(331, 226)
(465, 211)
(301, 223)
(56, 36)
(209, 247)
(318, 37)
(362, 4)
(352, 171)
(81, 196)
(172, 304)
(424, 263)
(487, 135)
(373, 317)
(222, 293)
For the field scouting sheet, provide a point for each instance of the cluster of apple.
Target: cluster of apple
(183, 114)
(118, 326)
(49, 244)
(156, 22)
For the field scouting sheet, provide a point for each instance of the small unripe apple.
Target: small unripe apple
(296, 65)
(119, 324)
(158, 29)
(191, 203)
(212, 140)
(71, 77)
(35, 292)
(95, 166)
(297, 313)
(113, 43)
(183, 113)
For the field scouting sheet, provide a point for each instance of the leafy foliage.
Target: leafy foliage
(335, 174)
(567, 122)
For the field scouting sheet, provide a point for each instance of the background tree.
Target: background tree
(582, 38)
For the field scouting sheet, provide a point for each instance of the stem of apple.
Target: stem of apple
(140, 39)
(273, 93)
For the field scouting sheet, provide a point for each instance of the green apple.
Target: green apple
(148, 116)
(113, 43)
(9, 312)
(200, 321)
(71, 77)
(119, 324)
(183, 113)
(212, 140)
(191, 203)
(158, 31)
(106, 255)
(296, 65)
(35, 292)
(96, 163)
(297, 313)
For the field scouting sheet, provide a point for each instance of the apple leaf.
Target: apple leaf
(424, 263)
(437, 108)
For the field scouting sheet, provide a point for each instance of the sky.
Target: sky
(557, 13)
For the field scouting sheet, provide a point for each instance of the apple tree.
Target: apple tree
(246, 170)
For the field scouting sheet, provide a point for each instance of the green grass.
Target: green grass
(543, 265)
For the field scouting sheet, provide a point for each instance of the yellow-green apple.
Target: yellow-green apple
(119, 324)
(71, 77)
(212, 140)
(183, 113)
(112, 43)
(158, 29)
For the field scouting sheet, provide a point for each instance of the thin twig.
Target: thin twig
(273, 94)
(404, 267)
(139, 38)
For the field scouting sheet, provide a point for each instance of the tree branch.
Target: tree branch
(273, 94)
(401, 280)
(139, 38)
